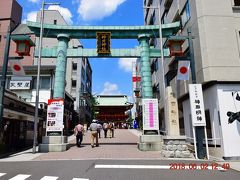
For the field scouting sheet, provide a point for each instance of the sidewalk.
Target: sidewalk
(122, 146)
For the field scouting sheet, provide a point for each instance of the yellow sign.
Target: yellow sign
(103, 42)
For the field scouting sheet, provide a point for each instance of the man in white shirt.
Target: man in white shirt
(94, 134)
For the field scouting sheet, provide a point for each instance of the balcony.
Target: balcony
(172, 12)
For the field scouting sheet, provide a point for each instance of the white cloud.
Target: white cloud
(97, 9)
(34, 1)
(32, 16)
(67, 15)
(110, 89)
(126, 64)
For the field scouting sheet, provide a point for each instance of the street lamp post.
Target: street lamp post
(38, 73)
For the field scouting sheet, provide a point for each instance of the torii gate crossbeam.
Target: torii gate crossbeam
(117, 32)
(64, 33)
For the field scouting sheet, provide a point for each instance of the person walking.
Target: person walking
(94, 134)
(99, 129)
(78, 132)
(111, 128)
(105, 129)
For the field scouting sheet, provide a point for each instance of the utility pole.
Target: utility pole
(199, 129)
(38, 74)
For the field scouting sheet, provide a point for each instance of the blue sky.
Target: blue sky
(110, 76)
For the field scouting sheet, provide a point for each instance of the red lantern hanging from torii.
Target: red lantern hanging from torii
(175, 46)
(24, 43)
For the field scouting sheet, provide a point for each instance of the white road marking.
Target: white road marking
(49, 178)
(20, 177)
(79, 179)
(105, 166)
(132, 166)
(2, 174)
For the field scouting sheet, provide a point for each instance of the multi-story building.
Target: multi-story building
(215, 27)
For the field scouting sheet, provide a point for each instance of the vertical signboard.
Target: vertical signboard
(150, 114)
(103, 42)
(55, 114)
(197, 105)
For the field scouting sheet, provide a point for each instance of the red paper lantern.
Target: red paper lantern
(175, 47)
(24, 43)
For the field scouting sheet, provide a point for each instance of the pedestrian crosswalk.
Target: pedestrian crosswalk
(26, 176)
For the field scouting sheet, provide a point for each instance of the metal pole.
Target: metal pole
(199, 129)
(206, 141)
(38, 79)
(4, 72)
(162, 64)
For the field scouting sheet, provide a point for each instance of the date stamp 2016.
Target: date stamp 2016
(202, 166)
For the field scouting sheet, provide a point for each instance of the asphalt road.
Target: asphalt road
(113, 170)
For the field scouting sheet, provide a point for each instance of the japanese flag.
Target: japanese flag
(183, 70)
(17, 68)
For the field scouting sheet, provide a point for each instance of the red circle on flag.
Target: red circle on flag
(16, 67)
(183, 70)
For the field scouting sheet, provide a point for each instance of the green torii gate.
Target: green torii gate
(64, 33)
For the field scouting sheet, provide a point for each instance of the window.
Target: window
(74, 83)
(185, 15)
(236, 2)
(84, 61)
(74, 66)
(45, 83)
(164, 16)
(83, 73)
(55, 22)
(82, 87)
(0, 38)
(152, 19)
(156, 92)
(156, 65)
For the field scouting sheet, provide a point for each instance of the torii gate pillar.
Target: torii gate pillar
(60, 75)
(145, 66)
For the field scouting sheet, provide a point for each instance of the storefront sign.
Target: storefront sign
(150, 114)
(197, 105)
(19, 85)
(55, 115)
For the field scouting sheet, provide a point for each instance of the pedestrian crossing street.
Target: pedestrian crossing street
(26, 176)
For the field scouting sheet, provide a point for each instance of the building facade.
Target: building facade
(216, 44)
(9, 18)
